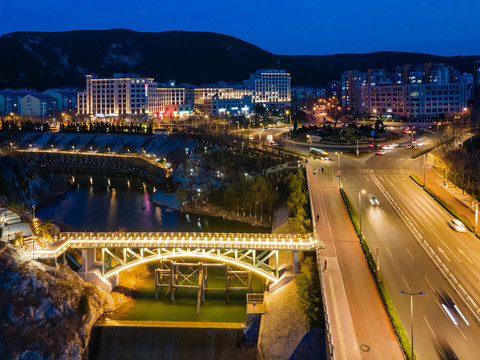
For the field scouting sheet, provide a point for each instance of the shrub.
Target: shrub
(308, 291)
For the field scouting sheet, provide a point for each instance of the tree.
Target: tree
(308, 291)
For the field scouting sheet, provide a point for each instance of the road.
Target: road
(405, 264)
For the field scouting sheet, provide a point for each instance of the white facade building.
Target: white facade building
(271, 88)
(162, 100)
(122, 94)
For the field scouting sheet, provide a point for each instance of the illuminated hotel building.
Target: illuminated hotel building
(131, 94)
(122, 94)
(271, 88)
(170, 101)
(222, 101)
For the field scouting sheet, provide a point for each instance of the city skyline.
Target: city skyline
(282, 28)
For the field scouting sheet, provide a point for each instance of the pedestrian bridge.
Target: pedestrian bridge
(122, 250)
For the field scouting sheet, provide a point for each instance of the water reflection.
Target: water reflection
(90, 207)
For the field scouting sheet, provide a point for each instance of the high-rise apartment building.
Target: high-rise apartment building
(427, 91)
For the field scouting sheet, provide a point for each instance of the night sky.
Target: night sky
(441, 27)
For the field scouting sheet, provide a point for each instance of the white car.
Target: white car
(457, 225)
(381, 152)
(388, 147)
(373, 200)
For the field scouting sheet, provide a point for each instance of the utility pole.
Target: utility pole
(424, 183)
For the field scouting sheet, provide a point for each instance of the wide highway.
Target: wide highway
(407, 217)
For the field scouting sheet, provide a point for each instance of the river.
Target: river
(101, 203)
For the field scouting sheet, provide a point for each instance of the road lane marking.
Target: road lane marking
(463, 253)
(409, 253)
(461, 332)
(443, 253)
(428, 324)
(429, 283)
(405, 281)
(389, 253)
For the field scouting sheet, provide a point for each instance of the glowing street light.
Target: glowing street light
(360, 192)
(338, 153)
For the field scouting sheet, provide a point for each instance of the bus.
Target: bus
(319, 154)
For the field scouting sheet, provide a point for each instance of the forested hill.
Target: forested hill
(42, 60)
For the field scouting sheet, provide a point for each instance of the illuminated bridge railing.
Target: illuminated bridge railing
(176, 240)
(143, 157)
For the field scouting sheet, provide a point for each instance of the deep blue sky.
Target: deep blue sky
(442, 27)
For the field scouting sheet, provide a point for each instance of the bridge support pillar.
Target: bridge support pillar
(91, 271)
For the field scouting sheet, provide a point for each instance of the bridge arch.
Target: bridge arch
(267, 272)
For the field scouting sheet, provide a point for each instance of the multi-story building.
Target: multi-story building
(352, 95)
(170, 100)
(334, 88)
(38, 104)
(222, 101)
(271, 88)
(427, 91)
(122, 94)
(66, 98)
(476, 84)
(10, 100)
(131, 94)
(388, 100)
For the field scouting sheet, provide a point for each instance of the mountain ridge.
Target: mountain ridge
(44, 60)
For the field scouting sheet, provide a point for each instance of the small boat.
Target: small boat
(144, 206)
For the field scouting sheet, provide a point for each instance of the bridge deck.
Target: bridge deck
(176, 240)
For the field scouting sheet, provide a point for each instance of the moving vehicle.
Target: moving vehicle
(373, 200)
(388, 147)
(452, 310)
(319, 154)
(457, 225)
(381, 152)
(409, 146)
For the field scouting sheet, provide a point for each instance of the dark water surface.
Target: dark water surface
(106, 204)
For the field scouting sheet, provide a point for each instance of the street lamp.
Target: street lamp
(424, 184)
(338, 153)
(411, 309)
(360, 192)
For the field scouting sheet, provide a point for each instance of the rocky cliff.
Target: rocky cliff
(45, 312)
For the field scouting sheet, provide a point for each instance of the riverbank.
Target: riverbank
(212, 210)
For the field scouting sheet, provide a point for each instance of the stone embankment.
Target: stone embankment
(212, 210)
(45, 312)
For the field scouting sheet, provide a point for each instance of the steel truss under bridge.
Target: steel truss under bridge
(115, 260)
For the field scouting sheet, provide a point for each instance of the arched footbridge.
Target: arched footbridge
(122, 250)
